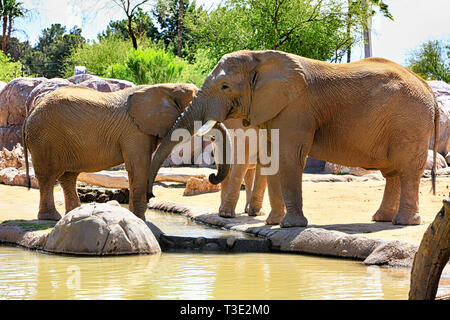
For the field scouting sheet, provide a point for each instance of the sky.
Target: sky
(415, 21)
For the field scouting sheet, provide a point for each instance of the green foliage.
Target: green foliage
(149, 66)
(53, 47)
(315, 29)
(432, 61)
(98, 56)
(8, 69)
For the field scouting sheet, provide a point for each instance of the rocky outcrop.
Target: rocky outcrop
(42, 89)
(13, 99)
(13, 158)
(441, 90)
(16, 177)
(21, 94)
(441, 163)
(101, 229)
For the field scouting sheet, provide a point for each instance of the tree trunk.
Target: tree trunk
(180, 26)
(5, 23)
(349, 18)
(432, 256)
(8, 37)
(131, 33)
(367, 32)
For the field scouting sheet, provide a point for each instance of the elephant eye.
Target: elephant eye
(225, 86)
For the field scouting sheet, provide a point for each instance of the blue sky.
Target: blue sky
(416, 21)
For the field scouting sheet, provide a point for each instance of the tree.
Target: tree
(169, 14)
(315, 29)
(130, 8)
(8, 69)
(53, 47)
(431, 60)
(9, 10)
(142, 25)
(180, 27)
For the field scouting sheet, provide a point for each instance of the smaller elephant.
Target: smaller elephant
(255, 182)
(76, 129)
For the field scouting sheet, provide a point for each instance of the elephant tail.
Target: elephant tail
(435, 145)
(25, 153)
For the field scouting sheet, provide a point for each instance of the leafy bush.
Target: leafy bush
(98, 56)
(431, 60)
(8, 69)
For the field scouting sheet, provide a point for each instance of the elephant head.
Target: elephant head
(252, 85)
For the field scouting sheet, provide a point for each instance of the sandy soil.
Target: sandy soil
(342, 206)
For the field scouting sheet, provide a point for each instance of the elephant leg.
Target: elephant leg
(137, 156)
(292, 163)
(391, 200)
(278, 209)
(408, 211)
(47, 209)
(249, 179)
(231, 195)
(257, 197)
(68, 182)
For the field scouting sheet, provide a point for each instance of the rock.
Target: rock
(13, 100)
(15, 177)
(196, 186)
(116, 84)
(79, 78)
(101, 229)
(13, 158)
(42, 89)
(338, 169)
(440, 161)
(441, 90)
(314, 165)
(13, 109)
(98, 84)
(392, 253)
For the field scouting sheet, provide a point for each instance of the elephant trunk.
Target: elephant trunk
(186, 121)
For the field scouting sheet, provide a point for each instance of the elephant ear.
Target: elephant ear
(153, 110)
(276, 82)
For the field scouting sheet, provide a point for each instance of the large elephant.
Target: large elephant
(249, 172)
(76, 129)
(372, 113)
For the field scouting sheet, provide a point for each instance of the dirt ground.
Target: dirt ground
(342, 206)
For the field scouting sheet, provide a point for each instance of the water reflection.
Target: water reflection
(27, 274)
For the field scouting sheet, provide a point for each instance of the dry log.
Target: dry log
(119, 180)
(432, 256)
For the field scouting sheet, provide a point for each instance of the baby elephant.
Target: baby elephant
(76, 129)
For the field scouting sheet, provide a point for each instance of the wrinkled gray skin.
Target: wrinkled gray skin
(373, 114)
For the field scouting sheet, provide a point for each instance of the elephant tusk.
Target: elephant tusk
(205, 128)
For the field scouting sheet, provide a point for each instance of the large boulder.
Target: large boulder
(106, 85)
(44, 88)
(441, 90)
(441, 163)
(14, 158)
(101, 229)
(13, 99)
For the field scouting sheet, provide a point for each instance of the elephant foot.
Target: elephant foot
(49, 215)
(226, 213)
(253, 212)
(403, 218)
(383, 216)
(274, 218)
(293, 220)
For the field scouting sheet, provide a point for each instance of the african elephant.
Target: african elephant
(371, 113)
(76, 129)
(250, 173)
